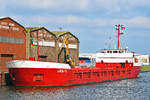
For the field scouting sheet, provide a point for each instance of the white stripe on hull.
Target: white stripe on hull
(35, 64)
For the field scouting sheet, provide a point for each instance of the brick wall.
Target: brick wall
(12, 42)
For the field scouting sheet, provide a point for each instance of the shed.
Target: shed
(73, 46)
(46, 42)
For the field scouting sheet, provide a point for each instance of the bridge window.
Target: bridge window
(120, 51)
(115, 51)
(109, 51)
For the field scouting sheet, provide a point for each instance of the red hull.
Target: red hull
(66, 77)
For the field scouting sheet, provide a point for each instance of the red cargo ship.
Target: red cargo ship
(111, 64)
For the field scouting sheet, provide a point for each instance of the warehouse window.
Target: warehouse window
(11, 40)
(6, 55)
(42, 56)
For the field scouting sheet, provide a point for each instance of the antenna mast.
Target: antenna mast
(119, 27)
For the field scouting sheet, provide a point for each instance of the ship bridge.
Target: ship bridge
(115, 56)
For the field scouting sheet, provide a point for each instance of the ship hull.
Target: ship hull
(68, 77)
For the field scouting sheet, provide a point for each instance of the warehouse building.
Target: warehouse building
(45, 48)
(50, 45)
(73, 44)
(12, 41)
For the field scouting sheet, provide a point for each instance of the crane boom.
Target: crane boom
(68, 58)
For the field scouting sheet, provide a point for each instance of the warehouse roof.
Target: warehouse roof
(33, 29)
(56, 33)
(60, 33)
(3, 18)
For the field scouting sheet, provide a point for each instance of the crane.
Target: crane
(68, 58)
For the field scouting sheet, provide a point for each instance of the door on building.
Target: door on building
(3, 59)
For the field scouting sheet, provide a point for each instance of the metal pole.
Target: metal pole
(118, 34)
(37, 46)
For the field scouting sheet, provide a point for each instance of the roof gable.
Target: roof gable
(61, 33)
(33, 29)
(3, 18)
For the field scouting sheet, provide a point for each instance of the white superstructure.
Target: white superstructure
(117, 56)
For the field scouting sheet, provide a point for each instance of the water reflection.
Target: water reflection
(132, 89)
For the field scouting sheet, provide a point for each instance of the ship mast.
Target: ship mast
(119, 27)
(118, 34)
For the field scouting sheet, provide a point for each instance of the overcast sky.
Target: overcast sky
(92, 21)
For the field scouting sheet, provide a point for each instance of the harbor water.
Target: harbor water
(131, 89)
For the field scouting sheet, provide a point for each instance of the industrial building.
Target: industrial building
(73, 45)
(46, 41)
(12, 41)
(51, 47)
